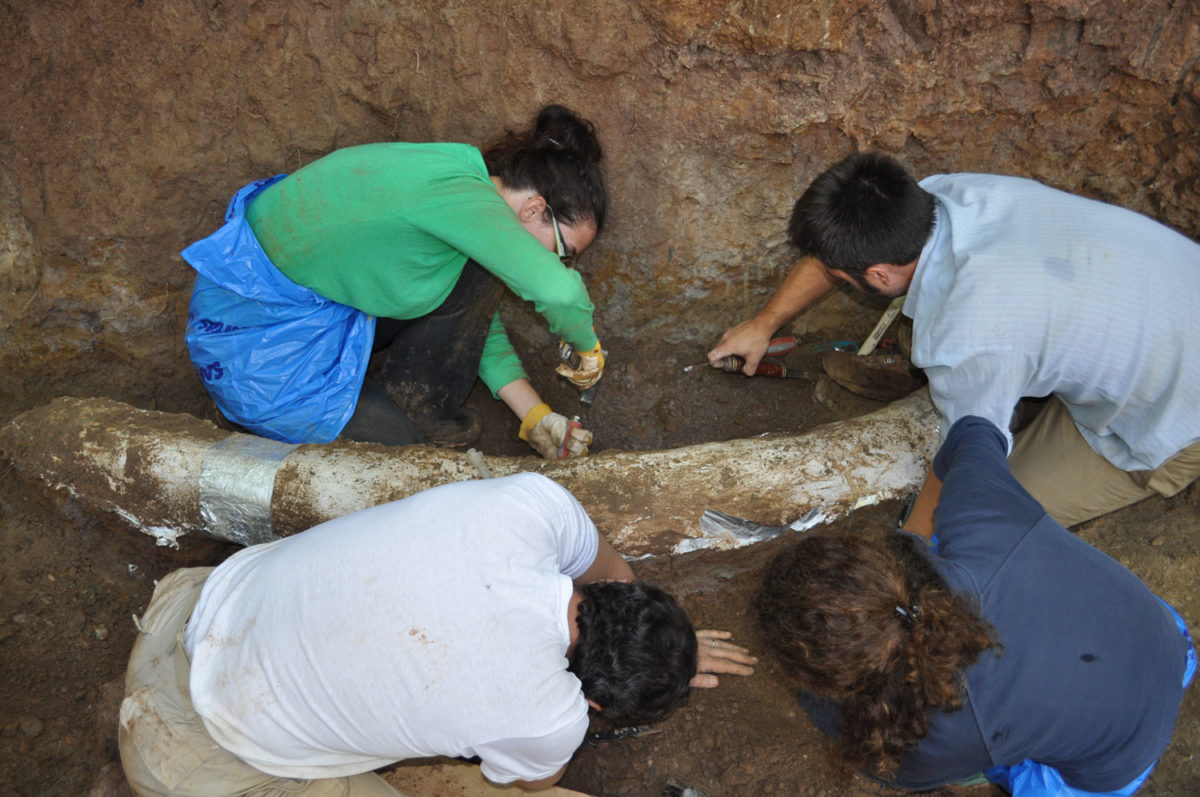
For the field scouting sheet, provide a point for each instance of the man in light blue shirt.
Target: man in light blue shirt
(1018, 290)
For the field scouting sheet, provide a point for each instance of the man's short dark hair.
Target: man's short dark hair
(636, 651)
(865, 210)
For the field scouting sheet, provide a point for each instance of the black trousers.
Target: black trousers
(429, 364)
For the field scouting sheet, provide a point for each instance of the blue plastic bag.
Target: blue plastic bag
(277, 358)
(1032, 779)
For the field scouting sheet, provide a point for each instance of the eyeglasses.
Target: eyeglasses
(559, 245)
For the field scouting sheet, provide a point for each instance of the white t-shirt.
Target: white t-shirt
(1024, 290)
(435, 625)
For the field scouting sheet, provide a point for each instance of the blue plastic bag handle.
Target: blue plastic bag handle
(246, 193)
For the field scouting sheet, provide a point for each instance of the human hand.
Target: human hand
(715, 655)
(553, 435)
(587, 371)
(747, 340)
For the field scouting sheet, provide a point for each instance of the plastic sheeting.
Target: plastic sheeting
(237, 480)
(277, 358)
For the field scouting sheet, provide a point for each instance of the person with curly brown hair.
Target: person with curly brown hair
(1008, 648)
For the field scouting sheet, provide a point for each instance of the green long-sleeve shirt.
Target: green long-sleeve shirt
(387, 228)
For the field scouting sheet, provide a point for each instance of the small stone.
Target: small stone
(30, 726)
(101, 632)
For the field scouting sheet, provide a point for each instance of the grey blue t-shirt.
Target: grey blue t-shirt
(1089, 678)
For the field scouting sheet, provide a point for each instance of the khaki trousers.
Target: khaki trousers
(165, 749)
(1073, 483)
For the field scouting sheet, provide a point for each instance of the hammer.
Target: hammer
(566, 353)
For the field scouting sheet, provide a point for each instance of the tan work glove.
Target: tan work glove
(552, 435)
(587, 372)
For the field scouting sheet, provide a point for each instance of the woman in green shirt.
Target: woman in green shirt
(423, 239)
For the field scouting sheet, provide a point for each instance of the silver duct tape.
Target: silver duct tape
(236, 483)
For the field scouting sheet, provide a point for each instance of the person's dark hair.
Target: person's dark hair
(559, 157)
(865, 210)
(864, 618)
(636, 651)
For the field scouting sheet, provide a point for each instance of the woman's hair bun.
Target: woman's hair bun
(560, 128)
(558, 157)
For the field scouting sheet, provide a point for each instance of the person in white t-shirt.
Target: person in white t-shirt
(1017, 290)
(476, 619)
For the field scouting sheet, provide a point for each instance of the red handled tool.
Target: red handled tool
(733, 364)
(781, 345)
(572, 426)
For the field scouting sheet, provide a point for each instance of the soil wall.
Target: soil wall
(127, 126)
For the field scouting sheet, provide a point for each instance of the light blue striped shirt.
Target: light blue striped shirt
(1024, 290)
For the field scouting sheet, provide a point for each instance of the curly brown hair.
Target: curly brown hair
(865, 619)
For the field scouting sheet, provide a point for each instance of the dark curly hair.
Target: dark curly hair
(865, 619)
(636, 651)
(559, 158)
(865, 210)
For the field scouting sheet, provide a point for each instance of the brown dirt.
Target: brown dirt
(126, 127)
(69, 585)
